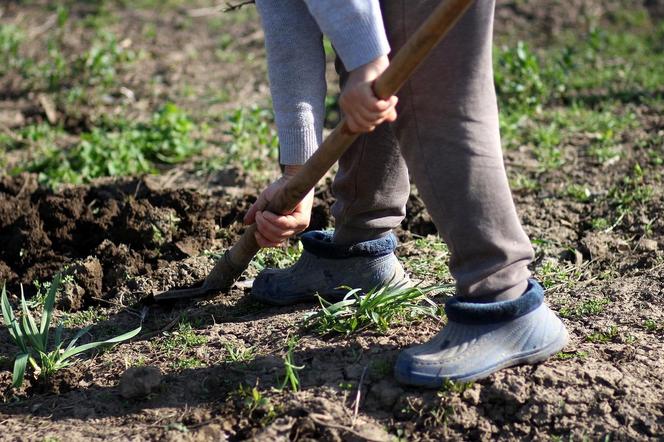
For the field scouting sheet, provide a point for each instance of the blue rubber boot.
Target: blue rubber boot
(325, 266)
(481, 338)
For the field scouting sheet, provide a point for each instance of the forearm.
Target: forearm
(296, 66)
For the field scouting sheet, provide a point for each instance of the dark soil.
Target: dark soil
(120, 241)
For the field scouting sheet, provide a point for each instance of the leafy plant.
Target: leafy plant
(254, 140)
(33, 340)
(518, 78)
(379, 308)
(237, 353)
(129, 149)
(290, 369)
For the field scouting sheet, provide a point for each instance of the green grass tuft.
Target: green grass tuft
(378, 309)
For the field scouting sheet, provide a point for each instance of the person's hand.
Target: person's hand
(272, 229)
(363, 110)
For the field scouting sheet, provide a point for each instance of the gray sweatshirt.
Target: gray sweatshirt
(296, 61)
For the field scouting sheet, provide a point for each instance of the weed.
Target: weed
(184, 338)
(518, 79)
(600, 223)
(33, 340)
(255, 404)
(554, 274)
(291, 378)
(379, 308)
(431, 259)
(602, 337)
(579, 192)
(454, 387)
(188, 362)
(254, 141)
(590, 307)
(381, 367)
(522, 182)
(129, 149)
(565, 356)
(277, 257)
(651, 325)
(83, 317)
(11, 38)
(238, 353)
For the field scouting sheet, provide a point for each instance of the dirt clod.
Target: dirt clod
(137, 382)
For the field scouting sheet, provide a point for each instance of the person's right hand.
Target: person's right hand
(273, 229)
(362, 109)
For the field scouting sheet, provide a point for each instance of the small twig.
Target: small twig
(358, 396)
(230, 7)
(212, 10)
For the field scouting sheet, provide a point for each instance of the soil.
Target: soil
(121, 241)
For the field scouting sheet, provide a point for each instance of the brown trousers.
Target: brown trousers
(447, 137)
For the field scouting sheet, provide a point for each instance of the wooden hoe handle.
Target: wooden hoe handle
(410, 56)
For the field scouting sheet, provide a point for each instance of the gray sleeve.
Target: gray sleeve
(296, 69)
(296, 61)
(355, 28)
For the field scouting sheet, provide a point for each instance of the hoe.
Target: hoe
(235, 260)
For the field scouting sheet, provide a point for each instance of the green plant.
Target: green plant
(564, 356)
(127, 149)
(254, 142)
(602, 337)
(589, 307)
(379, 308)
(237, 353)
(277, 257)
(183, 338)
(33, 340)
(290, 369)
(518, 79)
(10, 42)
(256, 404)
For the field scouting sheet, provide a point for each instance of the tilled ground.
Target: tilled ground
(121, 241)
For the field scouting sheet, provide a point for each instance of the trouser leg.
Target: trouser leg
(371, 186)
(448, 132)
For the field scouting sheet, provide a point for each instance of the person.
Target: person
(446, 137)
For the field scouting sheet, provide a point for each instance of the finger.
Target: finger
(356, 127)
(270, 231)
(263, 242)
(284, 222)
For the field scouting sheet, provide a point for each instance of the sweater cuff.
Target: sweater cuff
(366, 43)
(296, 145)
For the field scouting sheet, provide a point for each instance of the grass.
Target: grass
(587, 308)
(430, 262)
(183, 338)
(608, 334)
(253, 143)
(378, 309)
(239, 353)
(291, 378)
(45, 355)
(120, 148)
